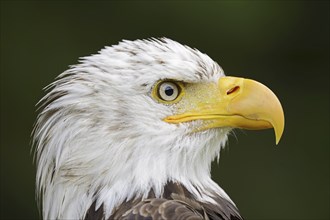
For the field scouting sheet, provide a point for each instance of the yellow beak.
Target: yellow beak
(239, 103)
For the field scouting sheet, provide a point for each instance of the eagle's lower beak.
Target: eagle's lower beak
(239, 103)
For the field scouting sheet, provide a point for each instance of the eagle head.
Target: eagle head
(126, 121)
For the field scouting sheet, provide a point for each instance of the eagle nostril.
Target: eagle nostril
(232, 90)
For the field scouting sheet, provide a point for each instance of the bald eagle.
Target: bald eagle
(130, 133)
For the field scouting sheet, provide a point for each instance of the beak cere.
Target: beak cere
(237, 103)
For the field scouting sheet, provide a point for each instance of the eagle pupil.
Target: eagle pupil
(169, 91)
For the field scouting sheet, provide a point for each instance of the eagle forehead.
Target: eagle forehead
(151, 60)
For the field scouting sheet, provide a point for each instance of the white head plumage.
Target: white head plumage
(101, 136)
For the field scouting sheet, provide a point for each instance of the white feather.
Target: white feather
(100, 135)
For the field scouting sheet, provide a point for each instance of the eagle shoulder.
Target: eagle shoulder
(158, 208)
(176, 203)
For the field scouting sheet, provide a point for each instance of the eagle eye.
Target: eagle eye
(167, 91)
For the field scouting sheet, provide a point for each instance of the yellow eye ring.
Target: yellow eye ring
(167, 91)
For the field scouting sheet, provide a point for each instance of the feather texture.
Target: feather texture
(100, 139)
(175, 203)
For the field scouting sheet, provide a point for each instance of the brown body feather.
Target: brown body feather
(176, 203)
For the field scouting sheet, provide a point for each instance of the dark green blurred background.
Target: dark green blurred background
(284, 44)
